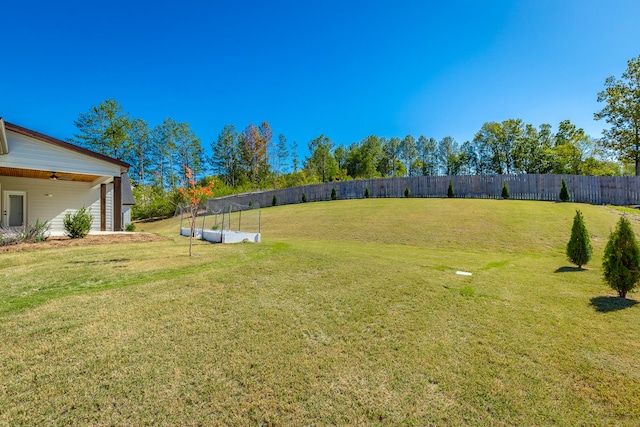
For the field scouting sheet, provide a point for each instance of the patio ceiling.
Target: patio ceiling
(42, 174)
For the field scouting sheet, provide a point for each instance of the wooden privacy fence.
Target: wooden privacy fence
(614, 190)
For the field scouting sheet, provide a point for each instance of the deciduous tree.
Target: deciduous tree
(322, 163)
(622, 112)
(255, 142)
(194, 194)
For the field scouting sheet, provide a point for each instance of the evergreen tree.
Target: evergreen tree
(274, 202)
(104, 129)
(407, 192)
(579, 248)
(304, 198)
(334, 195)
(450, 190)
(140, 153)
(366, 193)
(564, 192)
(505, 190)
(621, 261)
(226, 159)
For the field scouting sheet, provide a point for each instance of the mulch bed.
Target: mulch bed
(101, 239)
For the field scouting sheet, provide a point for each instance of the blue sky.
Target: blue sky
(346, 69)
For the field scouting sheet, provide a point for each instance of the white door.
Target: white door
(14, 209)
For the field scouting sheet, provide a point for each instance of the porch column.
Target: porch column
(117, 203)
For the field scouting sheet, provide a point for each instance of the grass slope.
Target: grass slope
(349, 312)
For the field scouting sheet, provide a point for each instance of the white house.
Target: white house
(44, 178)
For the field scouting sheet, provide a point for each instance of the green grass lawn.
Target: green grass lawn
(348, 313)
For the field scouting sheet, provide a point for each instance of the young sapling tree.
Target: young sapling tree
(564, 192)
(194, 194)
(505, 190)
(621, 260)
(579, 248)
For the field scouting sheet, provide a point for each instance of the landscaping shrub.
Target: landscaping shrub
(9, 237)
(304, 197)
(579, 248)
(37, 232)
(564, 192)
(152, 202)
(621, 260)
(334, 195)
(78, 225)
(450, 190)
(274, 202)
(31, 233)
(505, 190)
(130, 227)
(407, 192)
(366, 193)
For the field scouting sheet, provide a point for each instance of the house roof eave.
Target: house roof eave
(124, 166)
(4, 145)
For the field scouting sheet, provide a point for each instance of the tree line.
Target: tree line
(251, 159)
(507, 147)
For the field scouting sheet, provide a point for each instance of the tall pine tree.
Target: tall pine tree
(104, 129)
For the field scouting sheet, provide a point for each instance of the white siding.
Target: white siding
(29, 153)
(109, 203)
(126, 216)
(66, 196)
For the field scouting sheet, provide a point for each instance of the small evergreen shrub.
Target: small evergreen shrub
(621, 260)
(250, 204)
(334, 195)
(505, 190)
(304, 197)
(564, 192)
(130, 227)
(407, 192)
(274, 202)
(366, 193)
(77, 226)
(450, 193)
(579, 248)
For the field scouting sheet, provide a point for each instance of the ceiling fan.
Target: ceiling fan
(55, 177)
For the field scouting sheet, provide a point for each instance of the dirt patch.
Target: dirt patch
(101, 239)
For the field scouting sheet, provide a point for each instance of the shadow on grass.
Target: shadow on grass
(608, 304)
(567, 269)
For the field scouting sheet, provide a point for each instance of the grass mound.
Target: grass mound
(349, 312)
